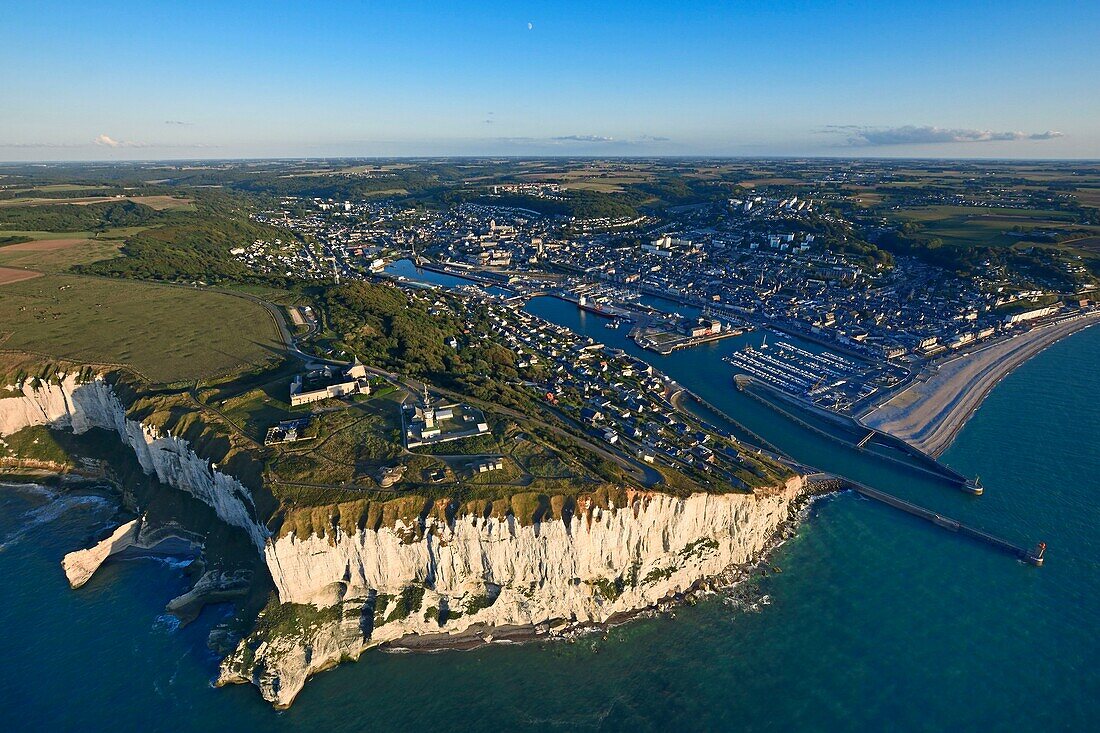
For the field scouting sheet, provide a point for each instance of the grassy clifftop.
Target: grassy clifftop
(168, 334)
(413, 511)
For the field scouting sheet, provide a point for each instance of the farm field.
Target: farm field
(59, 251)
(59, 258)
(769, 181)
(168, 334)
(32, 234)
(984, 226)
(1090, 245)
(598, 178)
(160, 203)
(45, 245)
(866, 198)
(1088, 196)
(56, 188)
(9, 275)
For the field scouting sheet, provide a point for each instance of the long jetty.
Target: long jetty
(921, 461)
(444, 269)
(1033, 556)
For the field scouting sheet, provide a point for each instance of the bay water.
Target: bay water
(871, 619)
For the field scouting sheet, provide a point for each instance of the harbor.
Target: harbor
(815, 439)
(824, 378)
(666, 335)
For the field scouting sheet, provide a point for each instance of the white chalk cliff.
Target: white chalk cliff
(444, 578)
(82, 405)
(348, 591)
(79, 566)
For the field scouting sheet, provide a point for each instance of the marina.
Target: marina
(824, 379)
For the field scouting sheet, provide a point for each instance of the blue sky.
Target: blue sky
(135, 80)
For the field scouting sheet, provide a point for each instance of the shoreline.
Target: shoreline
(930, 412)
(729, 582)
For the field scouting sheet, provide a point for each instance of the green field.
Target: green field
(36, 442)
(59, 260)
(92, 247)
(167, 334)
(35, 234)
(1088, 196)
(159, 203)
(983, 226)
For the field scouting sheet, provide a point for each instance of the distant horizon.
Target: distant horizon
(45, 163)
(670, 157)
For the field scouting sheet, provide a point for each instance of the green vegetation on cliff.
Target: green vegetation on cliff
(389, 328)
(189, 249)
(36, 443)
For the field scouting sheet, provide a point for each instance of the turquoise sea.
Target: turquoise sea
(877, 621)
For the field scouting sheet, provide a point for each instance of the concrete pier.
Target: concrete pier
(1033, 556)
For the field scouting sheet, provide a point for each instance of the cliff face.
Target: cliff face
(448, 577)
(475, 573)
(82, 405)
(655, 534)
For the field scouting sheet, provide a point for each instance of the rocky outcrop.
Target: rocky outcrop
(138, 536)
(214, 586)
(70, 402)
(476, 573)
(79, 566)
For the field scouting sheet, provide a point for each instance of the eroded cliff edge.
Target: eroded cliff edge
(456, 578)
(80, 403)
(352, 576)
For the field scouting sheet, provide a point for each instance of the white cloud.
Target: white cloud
(107, 141)
(861, 136)
(584, 138)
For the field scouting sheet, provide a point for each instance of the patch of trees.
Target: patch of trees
(193, 247)
(1040, 265)
(77, 217)
(385, 326)
(865, 253)
(907, 240)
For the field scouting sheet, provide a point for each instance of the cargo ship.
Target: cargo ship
(584, 305)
